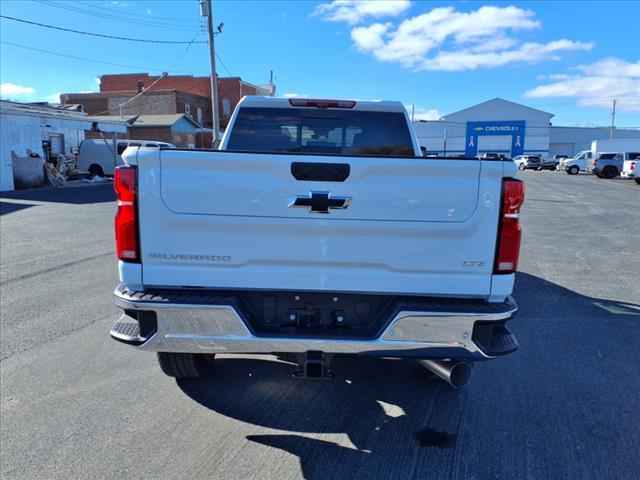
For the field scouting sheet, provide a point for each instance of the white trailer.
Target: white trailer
(617, 145)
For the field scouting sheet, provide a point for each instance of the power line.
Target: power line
(132, 14)
(137, 67)
(164, 74)
(223, 65)
(116, 18)
(113, 37)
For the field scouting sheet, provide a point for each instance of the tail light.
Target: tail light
(595, 162)
(633, 166)
(509, 232)
(127, 244)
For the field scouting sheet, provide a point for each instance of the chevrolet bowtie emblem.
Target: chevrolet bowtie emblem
(320, 202)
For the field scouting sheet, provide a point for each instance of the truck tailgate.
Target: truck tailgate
(227, 220)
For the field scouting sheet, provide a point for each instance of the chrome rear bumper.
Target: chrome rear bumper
(191, 327)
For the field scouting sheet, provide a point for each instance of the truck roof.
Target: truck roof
(275, 102)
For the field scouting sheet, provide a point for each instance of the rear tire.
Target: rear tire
(95, 169)
(610, 172)
(573, 170)
(521, 167)
(185, 365)
(637, 180)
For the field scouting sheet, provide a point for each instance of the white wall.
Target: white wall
(6, 165)
(571, 140)
(21, 132)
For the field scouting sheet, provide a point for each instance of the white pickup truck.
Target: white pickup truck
(317, 228)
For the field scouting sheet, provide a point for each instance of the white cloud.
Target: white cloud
(53, 98)
(421, 113)
(355, 11)
(451, 40)
(14, 91)
(296, 95)
(148, 11)
(597, 85)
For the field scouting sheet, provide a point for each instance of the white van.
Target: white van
(97, 157)
(581, 162)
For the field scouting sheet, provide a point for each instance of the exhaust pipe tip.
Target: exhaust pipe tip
(460, 374)
(456, 374)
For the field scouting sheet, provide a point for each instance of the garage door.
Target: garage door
(494, 143)
(567, 149)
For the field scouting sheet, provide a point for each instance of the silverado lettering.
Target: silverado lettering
(183, 256)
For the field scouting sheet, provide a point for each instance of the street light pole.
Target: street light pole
(206, 10)
(613, 118)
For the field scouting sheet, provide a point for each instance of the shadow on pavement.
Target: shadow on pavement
(79, 195)
(10, 207)
(554, 409)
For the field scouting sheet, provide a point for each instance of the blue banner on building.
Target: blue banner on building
(480, 129)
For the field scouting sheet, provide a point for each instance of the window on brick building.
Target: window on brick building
(187, 109)
(226, 107)
(199, 115)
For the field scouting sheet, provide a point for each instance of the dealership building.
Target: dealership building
(507, 128)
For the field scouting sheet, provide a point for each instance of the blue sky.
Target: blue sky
(569, 58)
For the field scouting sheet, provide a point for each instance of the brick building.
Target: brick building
(176, 128)
(172, 94)
(153, 102)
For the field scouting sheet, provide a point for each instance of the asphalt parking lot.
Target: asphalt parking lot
(74, 404)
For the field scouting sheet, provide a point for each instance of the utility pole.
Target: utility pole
(206, 10)
(445, 143)
(413, 110)
(272, 90)
(613, 118)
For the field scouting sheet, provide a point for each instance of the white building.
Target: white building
(36, 128)
(508, 128)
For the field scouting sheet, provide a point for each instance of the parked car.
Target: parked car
(558, 158)
(581, 162)
(636, 173)
(490, 155)
(630, 163)
(611, 164)
(615, 145)
(549, 164)
(283, 260)
(97, 157)
(528, 162)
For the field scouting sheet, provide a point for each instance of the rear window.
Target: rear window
(345, 132)
(634, 155)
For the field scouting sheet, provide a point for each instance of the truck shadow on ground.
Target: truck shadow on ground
(389, 419)
(10, 207)
(78, 195)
